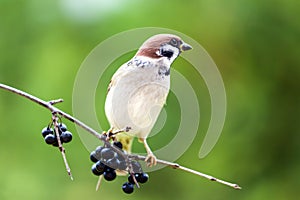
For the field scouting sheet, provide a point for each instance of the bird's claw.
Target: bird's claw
(151, 160)
(110, 134)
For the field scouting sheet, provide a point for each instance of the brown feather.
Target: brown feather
(150, 47)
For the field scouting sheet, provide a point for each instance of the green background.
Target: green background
(255, 44)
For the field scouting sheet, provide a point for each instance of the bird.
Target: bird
(138, 91)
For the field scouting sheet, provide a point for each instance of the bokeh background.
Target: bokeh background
(255, 45)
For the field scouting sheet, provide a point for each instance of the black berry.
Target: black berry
(101, 167)
(136, 167)
(98, 152)
(118, 144)
(128, 188)
(130, 178)
(122, 165)
(93, 157)
(107, 153)
(142, 177)
(120, 157)
(113, 163)
(55, 144)
(62, 127)
(95, 170)
(66, 137)
(46, 131)
(110, 174)
(50, 139)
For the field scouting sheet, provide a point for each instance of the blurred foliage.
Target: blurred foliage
(255, 45)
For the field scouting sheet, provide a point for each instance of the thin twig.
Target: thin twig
(54, 110)
(60, 146)
(99, 182)
(55, 101)
(177, 166)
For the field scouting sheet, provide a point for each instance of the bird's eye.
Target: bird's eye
(173, 42)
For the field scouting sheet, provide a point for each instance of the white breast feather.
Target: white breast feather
(135, 98)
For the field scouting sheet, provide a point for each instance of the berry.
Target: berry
(139, 177)
(50, 139)
(98, 152)
(66, 137)
(93, 157)
(107, 153)
(120, 157)
(46, 131)
(122, 165)
(95, 170)
(109, 174)
(128, 188)
(99, 149)
(55, 144)
(62, 127)
(130, 178)
(118, 144)
(142, 177)
(101, 167)
(136, 167)
(113, 163)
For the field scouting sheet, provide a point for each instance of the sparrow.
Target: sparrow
(138, 91)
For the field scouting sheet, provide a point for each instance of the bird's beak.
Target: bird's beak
(185, 47)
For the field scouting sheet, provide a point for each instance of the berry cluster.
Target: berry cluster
(107, 160)
(140, 177)
(50, 137)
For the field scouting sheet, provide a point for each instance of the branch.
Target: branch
(177, 166)
(49, 105)
(53, 109)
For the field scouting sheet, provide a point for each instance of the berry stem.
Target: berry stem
(134, 179)
(60, 147)
(99, 182)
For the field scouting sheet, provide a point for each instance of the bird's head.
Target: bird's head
(163, 46)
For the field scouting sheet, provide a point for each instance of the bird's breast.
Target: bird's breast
(136, 98)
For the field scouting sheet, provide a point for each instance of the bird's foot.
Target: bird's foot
(151, 160)
(115, 132)
(110, 134)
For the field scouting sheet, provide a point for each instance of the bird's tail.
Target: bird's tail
(126, 141)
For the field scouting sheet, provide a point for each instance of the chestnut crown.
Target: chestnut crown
(163, 45)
